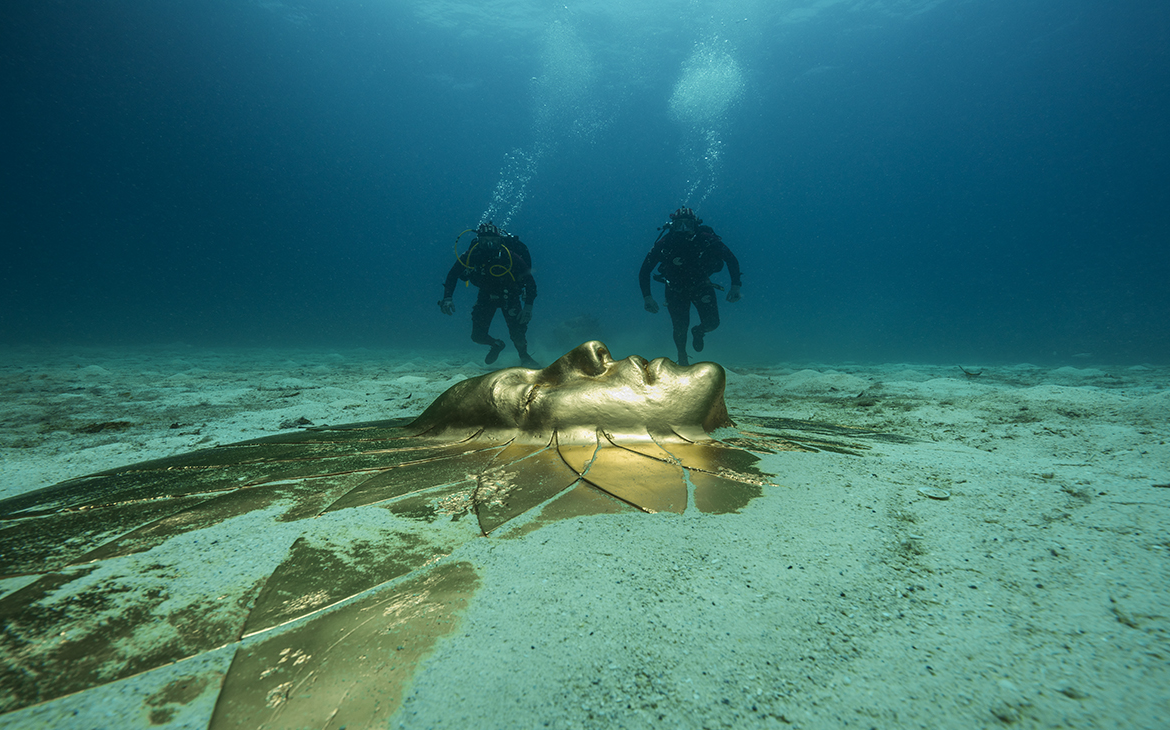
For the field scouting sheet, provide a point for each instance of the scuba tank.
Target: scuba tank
(692, 256)
(493, 259)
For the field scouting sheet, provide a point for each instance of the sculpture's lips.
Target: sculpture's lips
(654, 369)
(647, 373)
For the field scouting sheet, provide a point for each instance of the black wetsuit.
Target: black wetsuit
(502, 270)
(685, 263)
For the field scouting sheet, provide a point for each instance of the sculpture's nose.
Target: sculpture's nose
(591, 358)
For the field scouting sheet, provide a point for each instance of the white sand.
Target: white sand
(1037, 595)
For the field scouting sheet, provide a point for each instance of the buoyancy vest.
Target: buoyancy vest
(496, 263)
(690, 259)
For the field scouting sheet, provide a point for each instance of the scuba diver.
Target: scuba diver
(500, 265)
(687, 253)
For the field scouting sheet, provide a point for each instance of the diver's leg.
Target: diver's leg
(678, 304)
(481, 319)
(707, 305)
(518, 331)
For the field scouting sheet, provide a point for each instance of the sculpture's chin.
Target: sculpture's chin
(717, 416)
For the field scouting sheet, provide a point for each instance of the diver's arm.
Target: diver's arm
(526, 279)
(732, 264)
(452, 280)
(526, 312)
(648, 265)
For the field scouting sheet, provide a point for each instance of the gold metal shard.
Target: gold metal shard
(767, 434)
(714, 457)
(348, 667)
(214, 510)
(412, 476)
(644, 446)
(577, 455)
(716, 494)
(580, 501)
(449, 502)
(322, 570)
(648, 484)
(514, 487)
(35, 544)
(67, 632)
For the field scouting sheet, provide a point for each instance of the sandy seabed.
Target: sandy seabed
(1036, 596)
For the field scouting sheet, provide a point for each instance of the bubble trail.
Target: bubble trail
(562, 109)
(710, 84)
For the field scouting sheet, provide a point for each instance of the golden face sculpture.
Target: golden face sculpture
(583, 392)
(280, 575)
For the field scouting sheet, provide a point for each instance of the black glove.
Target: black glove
(446, 306)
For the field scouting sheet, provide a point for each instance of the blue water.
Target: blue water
(931, 180)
